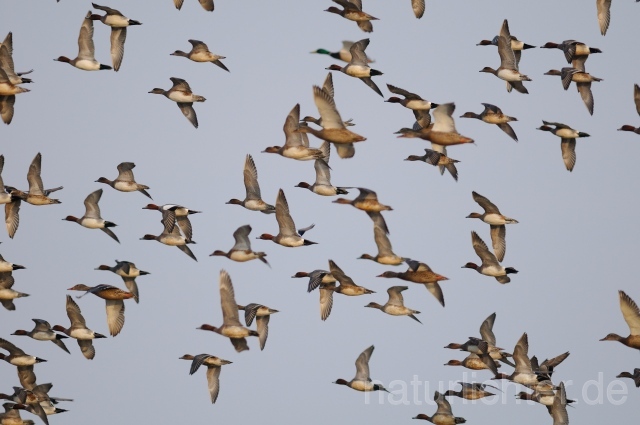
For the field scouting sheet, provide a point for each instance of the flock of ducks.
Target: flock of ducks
(433, 123)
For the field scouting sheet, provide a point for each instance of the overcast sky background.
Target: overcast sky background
(575, 245)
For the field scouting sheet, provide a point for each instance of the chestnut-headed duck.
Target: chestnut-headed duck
(411, 100)
(523, 373)
(353, 12)
(125, 181)
(316, 278)
(545, 397)
(26, 400)
(443, 415)
(287, 235)
(327, 86)
(181, 93)
(182, 216)
(385, 254)
(206, 4)
(334, 129)
(516, 45)
(261, 313)
(296, 145)
(496, 220)
(322, 186)
(487, 335)
(86, 60)
(214, 366)
(583, 83)
(6, 62)
(366, 201)
(568, 138)
(347, 285)
(171, 234)
(420, 273)
(91, 218)
(362, 380)
(490, 265)
(16, 356)
(438, 159)
(11, 205)
(359, 67)
(630, 128)
(200, 53)
(480, 348)
(37, 398)
(128, 272)
(118, 23)
(324, 280)
(575, 52)
(231, 327)
(443, 132)
(343, 54)
(631, 315)
(42, 332)
(7, 295)
(241, 251)
(472, 361)
(508, 70)
(395, 305)
(114, 298)
(604, 17)
(37, 194)
(635, 376)
(493, 115)
(253, 199)
(9, 80)
(471, 391)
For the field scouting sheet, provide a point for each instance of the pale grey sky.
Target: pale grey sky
(575, 245)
